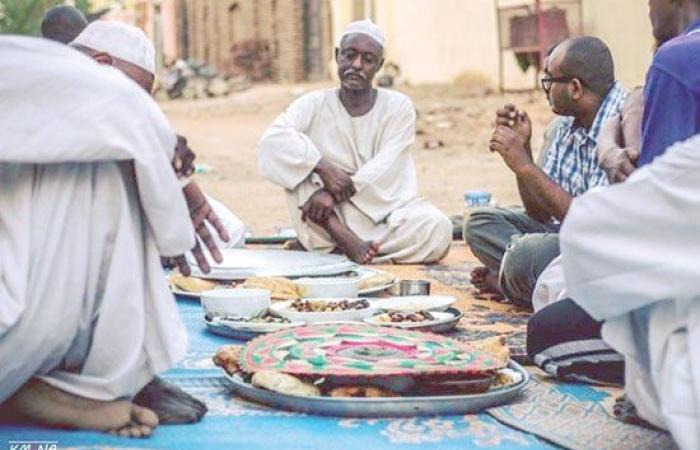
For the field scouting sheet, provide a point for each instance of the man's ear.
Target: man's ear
(576, 89)
(381, 64)
(103, 58)
(337, 51)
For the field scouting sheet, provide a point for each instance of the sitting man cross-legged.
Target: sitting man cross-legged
(515, 245)
(343, 156)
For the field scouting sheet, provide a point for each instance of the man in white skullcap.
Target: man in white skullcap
(88, 204)
(343, 157)
(128, 49)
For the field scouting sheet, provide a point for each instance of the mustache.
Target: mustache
(354, 72)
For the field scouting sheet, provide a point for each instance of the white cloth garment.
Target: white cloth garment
(88, 203)
(366, 27)
(630, 256)
(375, 150)
(235, 227)
(120, 40)
(551, 285)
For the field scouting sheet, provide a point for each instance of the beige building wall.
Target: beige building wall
(436, 41)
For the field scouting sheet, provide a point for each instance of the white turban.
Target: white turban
(120, 40)
(366, 27)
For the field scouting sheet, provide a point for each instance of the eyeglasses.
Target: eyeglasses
(547, 82)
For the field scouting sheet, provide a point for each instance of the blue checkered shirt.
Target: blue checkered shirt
(572, 157)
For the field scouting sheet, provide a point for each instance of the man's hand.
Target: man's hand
(509, 144)
(202, 213)
(519, 121)
(618, 163)
(319, 207)
(335, 181)
(183, 159)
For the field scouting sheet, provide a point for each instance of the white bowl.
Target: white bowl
(284, 309)
(416, 303)
(236, 302)
(328, 287)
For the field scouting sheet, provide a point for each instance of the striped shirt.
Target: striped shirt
(572, 157)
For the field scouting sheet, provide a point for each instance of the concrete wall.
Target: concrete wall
(436, 41)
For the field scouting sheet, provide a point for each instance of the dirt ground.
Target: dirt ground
(225, 131)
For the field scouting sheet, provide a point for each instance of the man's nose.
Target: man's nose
(357, 62)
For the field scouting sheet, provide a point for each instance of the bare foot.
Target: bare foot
(141, 424)
(171, 404)
(362, 252)
(358, 250)
(42, 404)
(486, 283)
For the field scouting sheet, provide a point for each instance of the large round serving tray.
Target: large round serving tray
(383, 407)
(240, 264)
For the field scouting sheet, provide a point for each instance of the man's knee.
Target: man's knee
(439, 236)
(524, 260)
(479, 224)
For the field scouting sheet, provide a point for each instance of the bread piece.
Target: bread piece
(284, 384)
(496, 346)
(381, 278)
(361, 391)
(280, 288)
(191, 284)
(226, 357)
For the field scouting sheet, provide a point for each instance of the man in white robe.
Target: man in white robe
(88, 204)
(343, 157)
(128, 49)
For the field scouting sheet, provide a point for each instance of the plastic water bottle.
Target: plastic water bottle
(477, 199)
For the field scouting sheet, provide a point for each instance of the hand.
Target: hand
(183, 159)
(335, 181)
(319, 207)
(201, 212)
(618, 163)
(509, 144)
(519, 121)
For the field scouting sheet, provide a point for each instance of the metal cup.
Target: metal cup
(414, 287)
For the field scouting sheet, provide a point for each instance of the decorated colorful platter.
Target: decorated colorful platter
(436, 322)
(403, 406)
(323, 310)
(416, 303)
(244, 330)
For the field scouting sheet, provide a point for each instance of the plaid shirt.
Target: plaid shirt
(572, 157)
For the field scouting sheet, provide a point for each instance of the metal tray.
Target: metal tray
(383, 407)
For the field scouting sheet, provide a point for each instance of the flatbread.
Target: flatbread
(284, 384)
(226, 357)
(381, 278)
(280, 288)
(191, 284)
(496, 346)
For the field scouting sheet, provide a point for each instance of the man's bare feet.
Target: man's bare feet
(171, 404)
(486, 283)
(42, 404)
(358, 250)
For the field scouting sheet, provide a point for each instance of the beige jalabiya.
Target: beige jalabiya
(88, 203)
(375, 150)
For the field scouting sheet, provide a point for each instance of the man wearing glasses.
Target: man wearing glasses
(516, 245)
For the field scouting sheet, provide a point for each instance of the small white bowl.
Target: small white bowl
(236, 302)
(325, 287)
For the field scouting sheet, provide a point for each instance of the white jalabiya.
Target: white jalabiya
(375, 150)
(551, 285)
(235, 227)
(88, 202)
(630, 255)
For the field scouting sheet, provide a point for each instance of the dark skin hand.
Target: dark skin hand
(201, 212)
(183, 160)
(335, 180)
(542, 197)
(319, 207)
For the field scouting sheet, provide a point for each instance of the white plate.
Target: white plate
(365, 272)
(440, 318)
(283, 309)
(255, 327)
(239, 264)
(416, 303)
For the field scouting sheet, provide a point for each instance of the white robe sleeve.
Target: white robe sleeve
(382, 182)
(636, 243)
(286, 155)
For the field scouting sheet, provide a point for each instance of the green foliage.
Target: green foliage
(24, 16)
